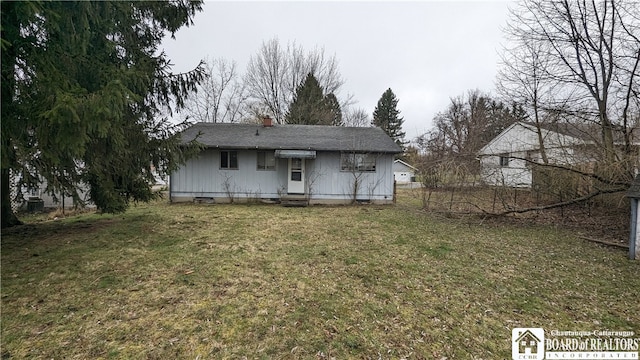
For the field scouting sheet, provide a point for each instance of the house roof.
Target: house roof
(586, 133)
(300, 137)
(582, 131)
(484, 149)
(398, 161)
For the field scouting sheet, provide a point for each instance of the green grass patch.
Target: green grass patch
(228, 281)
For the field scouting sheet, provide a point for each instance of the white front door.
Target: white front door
(296, 176)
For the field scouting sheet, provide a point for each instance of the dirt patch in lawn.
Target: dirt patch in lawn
(50, 231)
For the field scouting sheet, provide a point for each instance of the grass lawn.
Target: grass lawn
(230, 281)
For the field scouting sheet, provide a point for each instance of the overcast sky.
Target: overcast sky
(425, 51)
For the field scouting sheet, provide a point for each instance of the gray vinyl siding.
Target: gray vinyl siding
(334, 184)
(202, 177)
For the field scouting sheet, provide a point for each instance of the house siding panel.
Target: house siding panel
(516, 174)
(521, 142)
(329, 182)
(201, 177)
(402, 173)
(197, 176)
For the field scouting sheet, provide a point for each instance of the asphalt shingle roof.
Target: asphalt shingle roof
(291, 137)
(586, 132)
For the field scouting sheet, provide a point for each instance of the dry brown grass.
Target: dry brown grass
(605, 218)
(232, 281)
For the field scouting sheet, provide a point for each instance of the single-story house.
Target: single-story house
(313, 163)
(403, 173)
(38, 198)
(506, 160)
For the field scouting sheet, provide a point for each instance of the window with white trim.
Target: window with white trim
(357, 162)
(266, 160)
(229, 160)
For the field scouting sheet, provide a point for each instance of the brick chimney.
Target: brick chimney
(267, 122)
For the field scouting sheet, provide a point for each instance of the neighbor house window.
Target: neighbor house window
(266, 160)
(357, 162)
(228, 159)
(504, 160)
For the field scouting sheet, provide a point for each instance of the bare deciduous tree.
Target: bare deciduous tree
(521, 80)
(574, 65)
(221, 96)
(266, 78)
(590, 52)
(274, 73)
(468, 123)
(357, 117)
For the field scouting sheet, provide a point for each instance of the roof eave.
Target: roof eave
(235, 147)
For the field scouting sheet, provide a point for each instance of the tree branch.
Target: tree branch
(562, 203)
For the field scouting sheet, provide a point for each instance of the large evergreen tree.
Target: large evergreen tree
(311, 107)
(387, 117)
(334, 113)
(85, 93)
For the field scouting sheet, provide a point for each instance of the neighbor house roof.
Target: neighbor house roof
(584, 133)
(300, 137)
(402, 163)
(588, 132)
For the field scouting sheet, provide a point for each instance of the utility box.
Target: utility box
(634, 235)
(35, 204)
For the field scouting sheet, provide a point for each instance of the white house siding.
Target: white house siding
(402, 173)
(520, 142)
(331, 184)
(515, 142)
(402, 177)
(48, 200)
(516, 174)
(201, 177)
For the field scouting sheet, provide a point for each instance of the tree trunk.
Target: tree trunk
(10, 28)
(543, 151)
(8, 217)
(607, 140)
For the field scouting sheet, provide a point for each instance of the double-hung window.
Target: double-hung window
(357, 162)
(504, 160)
(229, 160)
(266, 160)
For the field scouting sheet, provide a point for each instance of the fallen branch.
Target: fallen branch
(620, 245)
(560, 204)
(576, 171)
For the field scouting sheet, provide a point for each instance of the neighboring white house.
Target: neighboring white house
(23, 197)
(320, 164)
(506, 159)
(403, 173)
(41, 199)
